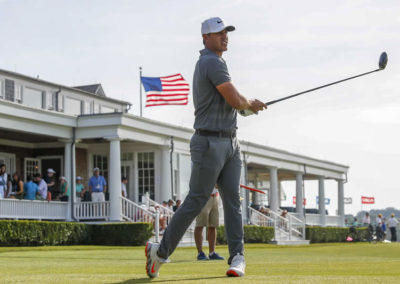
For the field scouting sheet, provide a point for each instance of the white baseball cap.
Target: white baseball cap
(215, 25)
(50, 170)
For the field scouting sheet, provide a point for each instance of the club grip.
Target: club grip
(246, 112)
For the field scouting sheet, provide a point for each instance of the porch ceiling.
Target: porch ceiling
(21, 136)
(263, 173)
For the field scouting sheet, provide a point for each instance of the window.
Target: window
(1, 89)
(51, 100)
(101, 162)
(18, 93)
(96, 108)
(126, 156)
(33, 98)
(87, 108)
(146, 173)
(60, 102)
(9, 90)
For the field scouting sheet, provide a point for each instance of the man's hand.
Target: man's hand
(256, 105)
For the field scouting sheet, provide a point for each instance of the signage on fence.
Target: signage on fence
(327, 200)
(304, 201)
(367, 200)
(348, 200)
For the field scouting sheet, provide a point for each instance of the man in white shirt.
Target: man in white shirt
(3, 180)
(42, 185)
(124, 181)
(392, 226)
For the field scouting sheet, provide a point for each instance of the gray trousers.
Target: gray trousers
(214, 160)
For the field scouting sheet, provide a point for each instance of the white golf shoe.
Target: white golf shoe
(153, 261)
(238, 265)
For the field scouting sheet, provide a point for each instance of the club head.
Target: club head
(383, 59)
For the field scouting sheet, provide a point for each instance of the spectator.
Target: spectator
(17, 187)
(366, 220)
(42, 185)
(177, 204)
(97, 186)
(165, 203)
(79, 188)
(124, 181)
(30, 189)
(355, 224)
(392, 223)
(383, 229)
(64, 189)
(264, 210)
(3, 181)
(51, 181)
(208, 217)
(284, 213)
(378, 228)
(170, 204)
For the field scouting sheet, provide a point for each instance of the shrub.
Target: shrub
(38, 233)
(252, 234)
(121, 234)
(334, 234)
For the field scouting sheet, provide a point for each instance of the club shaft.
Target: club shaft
(320, 87)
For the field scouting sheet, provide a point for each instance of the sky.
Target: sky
(278, 48)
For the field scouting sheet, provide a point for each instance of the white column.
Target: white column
(67, 173)
(273, 177)
(114, 185)
(341, 202)
(299, 195)
(165, 187)
(243, 193)
(321, 199)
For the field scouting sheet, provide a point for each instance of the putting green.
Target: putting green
(320, 263)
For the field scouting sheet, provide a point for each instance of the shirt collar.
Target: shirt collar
(206, 51)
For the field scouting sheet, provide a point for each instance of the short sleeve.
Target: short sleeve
(217, 71)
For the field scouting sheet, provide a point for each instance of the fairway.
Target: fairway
(319, 263)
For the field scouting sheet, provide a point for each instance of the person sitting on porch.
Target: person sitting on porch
(79, 188)
(42, 185)
(16, 190)
(50, 179)
(170, 204)
(177, 204)
(97, 186)
(64, 188)
(3, 181)
(124, 181)
(30, 189)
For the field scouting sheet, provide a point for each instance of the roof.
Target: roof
(32, 79)
(96, 89)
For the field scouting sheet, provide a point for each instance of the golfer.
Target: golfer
(215, 152)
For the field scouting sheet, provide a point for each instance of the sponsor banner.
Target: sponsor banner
(348, 200)
(327, 200)
(367, 200)
(304, 201)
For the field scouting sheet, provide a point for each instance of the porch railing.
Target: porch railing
(260, 219)
(135, 213)
(33, 209)
(288, 228)
(92, 210)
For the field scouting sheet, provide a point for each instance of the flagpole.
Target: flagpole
(140, 85)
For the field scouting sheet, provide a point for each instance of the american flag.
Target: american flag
(168, 90)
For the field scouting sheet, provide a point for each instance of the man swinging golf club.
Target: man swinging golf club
(214, 149)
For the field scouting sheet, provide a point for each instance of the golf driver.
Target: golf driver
(383, 59)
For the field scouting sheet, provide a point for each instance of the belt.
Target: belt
(219, 134)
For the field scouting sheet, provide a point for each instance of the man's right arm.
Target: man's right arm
(238, 101)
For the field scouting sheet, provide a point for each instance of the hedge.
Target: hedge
(335, 234)
(252, 234)
(121, 234)
(40, 233)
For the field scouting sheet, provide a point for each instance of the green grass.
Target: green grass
(319, 263)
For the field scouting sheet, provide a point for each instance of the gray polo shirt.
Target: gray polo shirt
(212, 112)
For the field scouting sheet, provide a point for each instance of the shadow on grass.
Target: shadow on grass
(148, 280)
